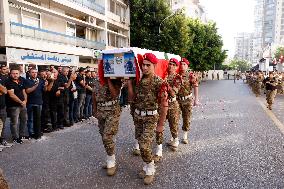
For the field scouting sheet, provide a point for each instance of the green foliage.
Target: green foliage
(206, 49)
(198, 42)
(279, 52)
(240, 65)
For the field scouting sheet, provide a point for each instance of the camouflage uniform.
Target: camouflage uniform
(188, 82)
(271, 90)
(147, 96)
(108, 117)
(173, 115)
(258, 84)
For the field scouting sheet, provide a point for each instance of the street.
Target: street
(234, 143)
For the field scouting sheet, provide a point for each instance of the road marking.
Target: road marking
(272, 116)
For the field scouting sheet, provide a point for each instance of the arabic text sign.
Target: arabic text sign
(38, 57)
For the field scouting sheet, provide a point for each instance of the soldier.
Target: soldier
(3, 182)
(150, 93)
(185, 96)
(271, 89)
(107, 110)
(258, 83)
(174, 81)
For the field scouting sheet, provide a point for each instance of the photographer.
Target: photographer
(34, 89)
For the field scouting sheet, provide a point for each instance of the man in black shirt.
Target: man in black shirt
(3, 114)
(80, 85)
(89, 93)
(16, 104)
(35, 88)
(4, 72)
(56, 88)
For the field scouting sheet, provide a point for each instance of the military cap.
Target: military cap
(150, 57)
(174, 60)
(185, 61)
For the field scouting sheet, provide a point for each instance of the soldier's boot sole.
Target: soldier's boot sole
(142, 174)
(136, 152)
(157, 158)
(174, 148)
(184, 141)
(169, 144)
(149, 179)
(104, 167)
(111, 171)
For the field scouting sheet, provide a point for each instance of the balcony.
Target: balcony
(45, 35)
(90, 4)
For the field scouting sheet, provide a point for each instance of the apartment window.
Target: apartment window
(71, 29)
(31, 18)
(112, 6)
(15, 15)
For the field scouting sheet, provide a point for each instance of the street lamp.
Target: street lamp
(174, 13)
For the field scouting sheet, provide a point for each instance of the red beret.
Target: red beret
(150, 57)
(174, 61)
(185, 61)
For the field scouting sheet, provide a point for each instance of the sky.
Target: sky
(231, 17)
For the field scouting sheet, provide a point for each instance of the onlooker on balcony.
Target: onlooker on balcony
(80, 85)
(16, 104)
(89, 93)
(55, 88)
(34, 89)
(3, 113)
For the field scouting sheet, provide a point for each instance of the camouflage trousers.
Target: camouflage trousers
(145, 129)
(186, 112)
(257, 88)
(270, 96)
(173, 117)
(108, 121)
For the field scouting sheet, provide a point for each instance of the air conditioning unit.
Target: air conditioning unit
(91, 20)
(123, 20)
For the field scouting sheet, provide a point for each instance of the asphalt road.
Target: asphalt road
(233, 144)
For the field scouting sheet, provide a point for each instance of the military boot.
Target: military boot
(184, 140)
(159, 153)
(149, 173)
(173, 144)
(136, 151)
(111, 167)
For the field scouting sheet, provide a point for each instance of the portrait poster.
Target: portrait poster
(108, 60)
(129, 64)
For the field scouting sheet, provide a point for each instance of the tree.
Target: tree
(278, 53)
(206, 49)
(241, 65)
(146, 17)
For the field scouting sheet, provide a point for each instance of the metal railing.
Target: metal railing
(46, 35)
(90, 4)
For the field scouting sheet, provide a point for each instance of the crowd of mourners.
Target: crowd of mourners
(43, 100)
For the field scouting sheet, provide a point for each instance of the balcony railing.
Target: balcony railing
(90, 4)
(46, 35)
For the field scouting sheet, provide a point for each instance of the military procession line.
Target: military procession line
(152, 102)
(271, 85)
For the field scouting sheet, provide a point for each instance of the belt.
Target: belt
(185, 97)
(109, 103)
(173, 99)
(146, 113)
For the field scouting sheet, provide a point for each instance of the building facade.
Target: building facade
(192, 8)
(61, 32)
(264, 33)
(244, 47)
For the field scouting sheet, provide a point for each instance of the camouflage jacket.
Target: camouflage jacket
(188, 82)
(174, 81)
(103, 93)
(147, 93)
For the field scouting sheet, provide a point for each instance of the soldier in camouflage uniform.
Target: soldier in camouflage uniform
(271, 89)
(150, 94)
(185, 97)
(107, 110)
(174, 81)
(258, 83)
